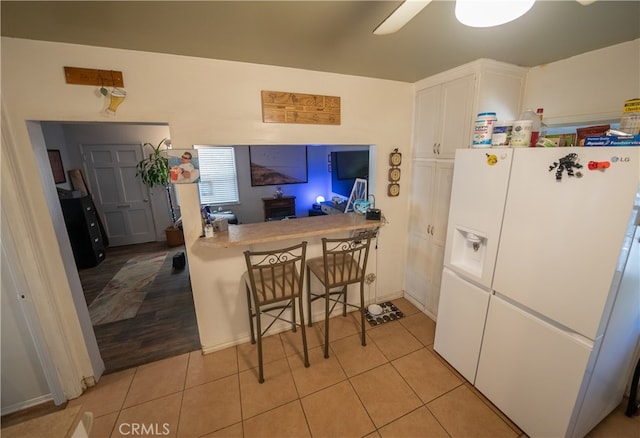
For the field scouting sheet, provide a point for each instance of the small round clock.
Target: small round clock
(393, 189)
(395, 158)
(394, 174)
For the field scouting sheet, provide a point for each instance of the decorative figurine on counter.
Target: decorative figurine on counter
(278, 193)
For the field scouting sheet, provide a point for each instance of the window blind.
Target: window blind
(218, 177)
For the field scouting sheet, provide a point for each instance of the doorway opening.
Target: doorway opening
(161, 321)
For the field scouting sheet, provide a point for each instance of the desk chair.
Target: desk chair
(343, 262)
(273, 282)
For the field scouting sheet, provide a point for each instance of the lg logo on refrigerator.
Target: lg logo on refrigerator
(620, 159)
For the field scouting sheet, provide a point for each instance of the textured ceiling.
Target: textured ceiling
(329, 36)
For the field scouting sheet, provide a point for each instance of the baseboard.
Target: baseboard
(29, 405)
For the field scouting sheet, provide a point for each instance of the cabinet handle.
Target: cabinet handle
(434, 148)
(432, 229)
(438, 148)
(428, 229)
(124, 206)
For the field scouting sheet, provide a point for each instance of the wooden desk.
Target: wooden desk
(249, 234)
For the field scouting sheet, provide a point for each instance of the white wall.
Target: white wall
(204, 102)
(590, 87)
(23, 379)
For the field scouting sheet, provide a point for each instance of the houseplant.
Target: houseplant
(154, 171)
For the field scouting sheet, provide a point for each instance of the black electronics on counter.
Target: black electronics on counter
(374, 214)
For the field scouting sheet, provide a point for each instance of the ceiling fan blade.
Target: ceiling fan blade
(586, 2)
(400, 16)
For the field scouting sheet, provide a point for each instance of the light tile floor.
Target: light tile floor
(396, 386)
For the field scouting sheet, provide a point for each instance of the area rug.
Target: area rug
(390, 312)
(122, 297)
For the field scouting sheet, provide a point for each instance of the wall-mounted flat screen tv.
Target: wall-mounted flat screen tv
(352, 164)
(346, 167)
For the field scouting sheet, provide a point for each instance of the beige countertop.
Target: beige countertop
(249, 234)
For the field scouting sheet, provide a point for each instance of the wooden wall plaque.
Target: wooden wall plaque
(286, 107)
(91, 76)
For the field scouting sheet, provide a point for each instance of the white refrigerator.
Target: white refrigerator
(540, 298)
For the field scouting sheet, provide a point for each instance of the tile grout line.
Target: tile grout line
(184, 388)
(299, 398)
(239, 391)
(135, 372)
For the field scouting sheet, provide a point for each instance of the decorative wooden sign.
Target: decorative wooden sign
(284, 107)
(89, 76)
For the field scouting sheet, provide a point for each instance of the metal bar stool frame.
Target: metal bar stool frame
(343, 262)
(273, 281)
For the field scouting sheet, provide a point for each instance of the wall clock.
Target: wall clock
(395, 158)
(393, 189)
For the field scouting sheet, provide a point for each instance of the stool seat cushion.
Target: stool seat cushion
(342, 269)
(275, 283)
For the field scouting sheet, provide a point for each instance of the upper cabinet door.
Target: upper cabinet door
(427, 122)
(443, 118)
(456, 118)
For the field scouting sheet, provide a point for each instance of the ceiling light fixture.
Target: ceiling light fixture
(400, 16)
(488, 13)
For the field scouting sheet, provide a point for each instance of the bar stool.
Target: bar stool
(273, 282)
(343, 262)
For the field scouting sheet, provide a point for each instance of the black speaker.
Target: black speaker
(373, 214)
(179, 260)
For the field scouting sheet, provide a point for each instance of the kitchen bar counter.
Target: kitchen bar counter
(249, 234)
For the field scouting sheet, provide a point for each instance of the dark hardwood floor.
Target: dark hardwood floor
(164, 326)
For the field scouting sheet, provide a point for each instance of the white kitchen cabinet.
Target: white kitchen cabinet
(446, 106)
(428, 215)
(442, 118)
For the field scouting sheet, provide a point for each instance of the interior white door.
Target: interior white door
(561, 239)
(531, 370)
(461, 317)
(123, 198)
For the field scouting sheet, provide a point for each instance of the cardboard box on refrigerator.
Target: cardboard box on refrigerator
(613, 140)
